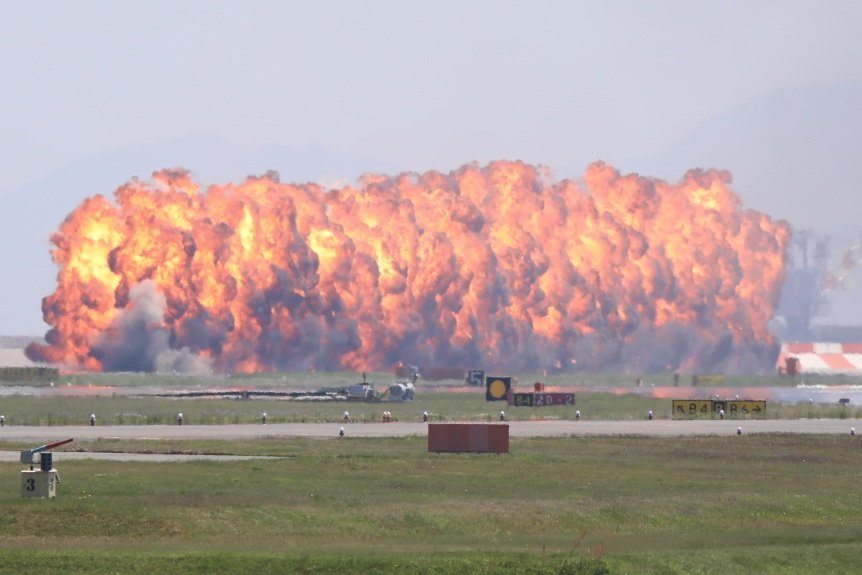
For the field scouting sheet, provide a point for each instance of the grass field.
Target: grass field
(312, 380)
(621, 400)
(766, 504)
(702, 505)
(443, 406)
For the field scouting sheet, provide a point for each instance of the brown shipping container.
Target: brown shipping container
(468, 437)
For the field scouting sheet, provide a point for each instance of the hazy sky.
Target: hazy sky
(416, 85)
(419, 84)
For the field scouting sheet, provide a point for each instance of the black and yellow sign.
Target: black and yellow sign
(708, 408)
(744, 409)
(691, 408)
(497, 388)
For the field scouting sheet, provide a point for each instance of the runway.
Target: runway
(559, 428)
(656, 428)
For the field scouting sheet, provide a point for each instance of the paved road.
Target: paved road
(15, 456)
(658, 427)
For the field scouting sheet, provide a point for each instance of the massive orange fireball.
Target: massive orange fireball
(494, 266)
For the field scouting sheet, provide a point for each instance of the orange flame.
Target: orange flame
(491, 266)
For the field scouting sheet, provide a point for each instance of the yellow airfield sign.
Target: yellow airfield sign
(741, 408)
(704, 408)
(691, 408)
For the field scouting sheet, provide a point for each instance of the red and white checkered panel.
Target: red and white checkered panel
(826, 358)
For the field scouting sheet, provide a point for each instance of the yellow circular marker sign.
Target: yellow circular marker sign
(497, 388)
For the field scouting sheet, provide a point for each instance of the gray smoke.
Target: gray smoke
(137, 341)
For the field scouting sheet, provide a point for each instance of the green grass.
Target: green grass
(710, 505)
(443, 406)
(313, 380)
(610, 397)
(760, 503)
(215, 563)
